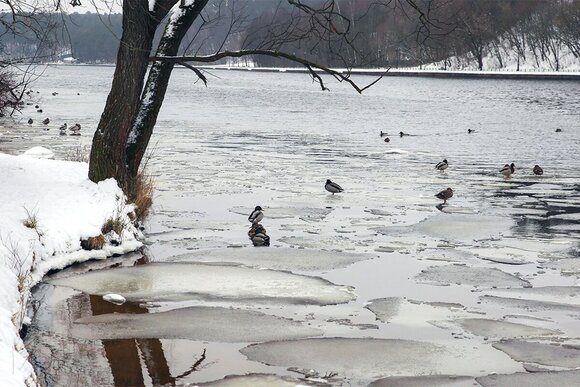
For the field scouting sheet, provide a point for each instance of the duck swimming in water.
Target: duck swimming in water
(442, 165)
(387, 139)
(46, 121)
(538, 170)
(507, 170)
(445, 195)
(256, 216)
(332, 187)
(470, 131)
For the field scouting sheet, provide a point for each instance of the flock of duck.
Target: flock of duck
(258, 234)
(75, 130)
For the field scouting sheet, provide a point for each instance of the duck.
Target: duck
(387, 139)
(46, 121)
(383, 134)
(62, 132)
(75, 129)
(256, 216)
(507, 170)
(30, 121)
(332, 187)
(39, 110)
(469, 131)
(538, 170)
(558, 130)
(442, 165)
(402, 134)
(258, 236)
(63, 127)
(446, 194)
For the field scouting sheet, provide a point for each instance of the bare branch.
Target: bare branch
(338, 75)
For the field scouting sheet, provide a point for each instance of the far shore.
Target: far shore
(563, 75)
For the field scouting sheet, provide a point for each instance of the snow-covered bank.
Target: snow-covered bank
(46, 208)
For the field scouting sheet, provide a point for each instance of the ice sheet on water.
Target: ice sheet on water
(502, 329)
(530, 305)
(193, 323)
(522, 379)
(541, 353)
(277, 258)
(424, 381)
(369, 359)
(476, 276)
(557, 294)
(186, 281)
(254, 380)
(464, 227)
(384, 308)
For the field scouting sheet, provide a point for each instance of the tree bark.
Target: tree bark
(109, 142)
(156, 85)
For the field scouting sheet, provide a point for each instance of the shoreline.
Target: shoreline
(402, 72)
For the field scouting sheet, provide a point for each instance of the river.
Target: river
(378, 281)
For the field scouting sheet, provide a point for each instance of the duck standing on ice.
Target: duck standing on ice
(442, 165)
(256, 216)
(445, 195)
(507, 170)
(332, 187)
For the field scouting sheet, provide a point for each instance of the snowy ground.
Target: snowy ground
(60, 206)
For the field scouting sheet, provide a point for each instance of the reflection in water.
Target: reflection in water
(541, 214)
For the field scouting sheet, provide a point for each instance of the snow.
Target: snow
(60, 206)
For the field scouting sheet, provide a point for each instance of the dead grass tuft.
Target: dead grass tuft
(93, 243)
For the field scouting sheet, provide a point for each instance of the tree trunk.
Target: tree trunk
(108, 150)
(156, 85)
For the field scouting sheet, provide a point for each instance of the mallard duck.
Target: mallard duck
(383, 134)
(258, 235)
(46, 121)
(387, 139)
(538, 170)
(441, 166)
(256, 216)
(402, 134)
(507, 170)
(469, 131)
(445, 195)
(75, 129)
(30, 121)
(63, 127)
(558, 130)
(332, 187)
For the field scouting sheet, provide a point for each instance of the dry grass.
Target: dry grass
(143, 195)
(113, 224)
(78, 153)
(31, 220)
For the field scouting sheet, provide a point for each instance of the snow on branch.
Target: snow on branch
(338, 75)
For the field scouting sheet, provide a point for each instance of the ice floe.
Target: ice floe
(384, 308)
(254, 380)
(278, 259)
(521, 379)
(474, 276)
(502, 329)
(196, 281)
(464, 227)
(548, 354)
(193, 323)
(424, 381)
(369, 359)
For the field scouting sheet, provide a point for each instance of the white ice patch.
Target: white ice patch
(254, 380)
(475, 276)
(193, 281)
(503, 329)
(553, 294)
(277, 259)
(521, 379)
(369, 359)
(425, 381)
(541, 353)
(464, 227)
(194, 323)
